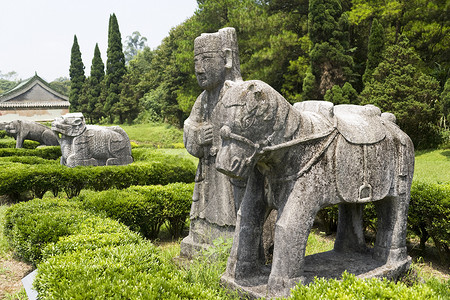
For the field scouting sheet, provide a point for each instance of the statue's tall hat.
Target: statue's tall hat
(225, 38)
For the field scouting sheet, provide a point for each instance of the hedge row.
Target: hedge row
(144, 208)
(85, 256)
(97, 258)
(17, 178)
(11, 143)
(352, 288)
(47, 152)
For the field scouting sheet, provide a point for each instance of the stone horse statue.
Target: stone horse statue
(309, 156)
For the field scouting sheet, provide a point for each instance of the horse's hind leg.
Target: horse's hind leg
(350, 234)
(392, 213)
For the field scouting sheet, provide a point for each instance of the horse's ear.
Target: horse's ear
(286, 120)
(258, 99)
(280, 118)
(292, 123)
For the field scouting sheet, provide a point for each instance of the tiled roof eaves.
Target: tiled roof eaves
(24, 86)
(33, 104)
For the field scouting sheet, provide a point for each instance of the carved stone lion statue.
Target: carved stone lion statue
(91, 145)
(27, 130)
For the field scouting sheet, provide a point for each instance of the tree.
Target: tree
(128, 106)
(61, 85)
(424, 22)
(96, 102)
(77, 77)
(345, 95)
(375, 49)
(400, 87)
(134, 44)
(10, 76)
(330, 63)
(445, 100)
(115, 70)
(6, 85)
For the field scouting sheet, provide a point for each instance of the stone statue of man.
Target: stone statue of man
(216, 197)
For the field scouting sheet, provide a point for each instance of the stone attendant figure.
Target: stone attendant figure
(213, 211)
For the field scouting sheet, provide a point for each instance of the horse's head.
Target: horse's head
(254, 116)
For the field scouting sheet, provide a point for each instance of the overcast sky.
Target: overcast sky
(37, 35)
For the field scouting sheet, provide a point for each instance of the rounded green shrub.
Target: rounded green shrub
(141, 213)
(30, 226)
(429, 215)
(144, 208)
(92, 233)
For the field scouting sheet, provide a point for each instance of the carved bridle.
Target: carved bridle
(225, 133)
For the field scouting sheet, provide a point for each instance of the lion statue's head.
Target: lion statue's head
(71, 124)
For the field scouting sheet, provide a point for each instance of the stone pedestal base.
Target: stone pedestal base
(329, 265)
(201, 236)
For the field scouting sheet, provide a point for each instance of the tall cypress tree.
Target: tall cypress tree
(96, 102)
(328, 32)
(375, 49)
(115, 69)
(400, 87)
(77, 77)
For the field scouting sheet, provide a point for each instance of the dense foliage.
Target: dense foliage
(306, 48)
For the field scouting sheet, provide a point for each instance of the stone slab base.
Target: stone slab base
(329, 265)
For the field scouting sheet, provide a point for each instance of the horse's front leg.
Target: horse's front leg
(246, 258)
(292, 229)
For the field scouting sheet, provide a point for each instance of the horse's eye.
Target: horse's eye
(248, 121)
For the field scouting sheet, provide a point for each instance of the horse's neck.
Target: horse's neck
(298, 140)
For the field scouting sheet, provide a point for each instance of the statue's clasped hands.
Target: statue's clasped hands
(206, 136)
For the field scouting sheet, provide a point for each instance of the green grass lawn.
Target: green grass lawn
(432, 166)
(156, 134)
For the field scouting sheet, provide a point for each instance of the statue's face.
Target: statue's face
(209, 69)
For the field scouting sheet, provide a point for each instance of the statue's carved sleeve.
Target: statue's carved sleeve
(193, 127)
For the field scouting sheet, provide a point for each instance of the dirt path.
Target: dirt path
(11, 273)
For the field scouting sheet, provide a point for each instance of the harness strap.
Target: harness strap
(313, 159)
(300, 140)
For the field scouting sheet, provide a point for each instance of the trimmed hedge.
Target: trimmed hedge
(89, 257)
(30, 226)
(137, 271)
(429, 216)
(47, 152)
(11, 143)
(17, 178)
(352, 288)
(48, 227)
(144, 208)
(92, 233)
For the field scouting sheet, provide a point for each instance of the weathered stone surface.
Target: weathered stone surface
(298, 160)
(28, 130)
(91, 145)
